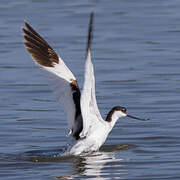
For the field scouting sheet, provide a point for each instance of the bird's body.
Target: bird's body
(98, 132)
(85, 122)
(93, 141)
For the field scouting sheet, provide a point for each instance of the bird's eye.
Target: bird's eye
(124, 110)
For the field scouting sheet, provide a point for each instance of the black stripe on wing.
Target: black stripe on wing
(78, 123)
(39, 49)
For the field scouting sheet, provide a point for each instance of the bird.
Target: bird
(85, 123)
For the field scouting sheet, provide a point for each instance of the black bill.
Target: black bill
(141, 119)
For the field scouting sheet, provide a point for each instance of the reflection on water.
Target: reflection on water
(86, 165)
(92, 165)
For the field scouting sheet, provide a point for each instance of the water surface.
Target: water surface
(135, 52)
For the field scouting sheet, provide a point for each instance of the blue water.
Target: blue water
(136, 56)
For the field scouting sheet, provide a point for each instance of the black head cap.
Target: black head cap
(116, 108)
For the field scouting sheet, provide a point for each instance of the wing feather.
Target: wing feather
(61, 78)
(89, 108)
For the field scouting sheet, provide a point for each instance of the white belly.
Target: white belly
(92, 142)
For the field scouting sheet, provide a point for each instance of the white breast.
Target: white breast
(93, 141)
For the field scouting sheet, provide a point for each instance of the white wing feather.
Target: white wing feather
(89, 108)
(60, 77)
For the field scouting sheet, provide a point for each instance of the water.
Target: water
(135, 51)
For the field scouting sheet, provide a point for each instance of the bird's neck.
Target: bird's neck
(112, 117)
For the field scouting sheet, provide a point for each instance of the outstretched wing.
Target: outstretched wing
(61, 78)
(89, 108)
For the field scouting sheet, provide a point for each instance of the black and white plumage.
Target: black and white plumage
(61, 78)
(84, 119)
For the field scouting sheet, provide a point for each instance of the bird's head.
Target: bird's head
(117, 112)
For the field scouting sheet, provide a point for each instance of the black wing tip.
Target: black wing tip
(90, 31)
(91, 14)
(26, 23)
(27, 28)
(24, 29)
(38, 48)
